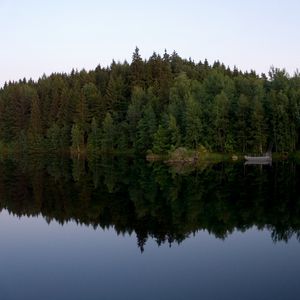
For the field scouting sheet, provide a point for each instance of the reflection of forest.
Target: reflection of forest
(148, 199)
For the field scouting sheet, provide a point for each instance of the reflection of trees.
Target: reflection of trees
(150, 200)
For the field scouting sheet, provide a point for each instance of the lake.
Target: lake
(124, 228)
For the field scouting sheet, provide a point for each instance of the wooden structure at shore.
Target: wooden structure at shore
(259, 160)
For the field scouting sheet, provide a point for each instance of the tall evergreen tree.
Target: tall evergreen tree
(258, 128)
(242, 123)
(108, 134)
(221, 121)
(146, 129)
(77, 138)
(137, 70)
(174, 132)
(193, 121)
(94, 139)
(35, 132)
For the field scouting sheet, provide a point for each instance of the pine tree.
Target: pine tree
(115, 98)
(82, 114)
(77, 138)
(134, 114)
(193, 124)
(35, 133)
(94, 139)
(242, 123)
(221, 121)
(180, 92)
(146, 129)
(161, 140)
(94, 101)
(53, 137)
(280, 122)
(174, 132)
(137, 70)
(108, 134)
(258, 127)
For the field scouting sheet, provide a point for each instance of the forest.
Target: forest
(152, 106)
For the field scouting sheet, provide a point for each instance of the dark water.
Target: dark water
(116, 228)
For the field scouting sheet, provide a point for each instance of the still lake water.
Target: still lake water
(116, 228)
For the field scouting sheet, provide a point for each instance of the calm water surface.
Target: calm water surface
(126, 229)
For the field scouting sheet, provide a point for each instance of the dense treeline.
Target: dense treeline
(158, 104)
(132, 196)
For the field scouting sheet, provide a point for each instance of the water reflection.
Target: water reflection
(153, 200)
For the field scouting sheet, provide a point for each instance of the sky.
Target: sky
(41, 37)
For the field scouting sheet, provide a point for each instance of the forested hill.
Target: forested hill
(158, 104)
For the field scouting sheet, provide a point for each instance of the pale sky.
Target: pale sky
(57, 35)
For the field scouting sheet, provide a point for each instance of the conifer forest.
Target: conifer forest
(154, 105)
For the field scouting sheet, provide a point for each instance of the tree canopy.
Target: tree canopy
(155, 104)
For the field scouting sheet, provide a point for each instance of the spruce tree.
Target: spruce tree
(108, 134)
